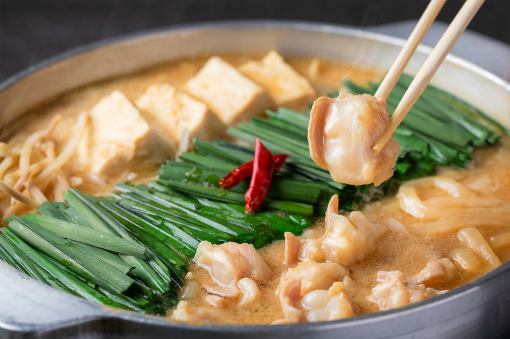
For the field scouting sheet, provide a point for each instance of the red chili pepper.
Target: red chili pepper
(245, 170)
(237, 175)
(279, 160)
(263, 167)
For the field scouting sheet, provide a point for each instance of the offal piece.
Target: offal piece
(331, 304)
(186, 313)
(313, 292)
(346, 239)
(228, 93)
(313, 275)
(292, 248)
(173, 113)
(249, 290)
(229, 262)
(235, 268)
(393, 291)
(342, 133)
(285, 86)
(436, 271)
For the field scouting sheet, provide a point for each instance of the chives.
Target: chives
(85, 235)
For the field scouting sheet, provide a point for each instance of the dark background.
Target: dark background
(31, 30)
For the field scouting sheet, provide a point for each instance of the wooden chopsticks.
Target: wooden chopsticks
(430, 66)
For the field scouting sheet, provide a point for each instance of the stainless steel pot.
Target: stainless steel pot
(30, 309)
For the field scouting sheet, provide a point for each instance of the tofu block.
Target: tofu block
(118, 134)
(171, 112)
(229, 94)
(285, 86)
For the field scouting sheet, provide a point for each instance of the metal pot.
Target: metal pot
(30, 309)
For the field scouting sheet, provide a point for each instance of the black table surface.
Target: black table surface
(31, 30)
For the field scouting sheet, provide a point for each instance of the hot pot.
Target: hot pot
(30, 309)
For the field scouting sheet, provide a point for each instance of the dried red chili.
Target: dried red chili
(237, 175)
(279, 160)
(263, 167)
(245, 170)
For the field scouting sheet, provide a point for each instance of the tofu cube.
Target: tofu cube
(229, 94)
(118, 134)
(285, 85)
(172, 112)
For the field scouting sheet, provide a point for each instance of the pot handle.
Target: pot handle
(27, 305)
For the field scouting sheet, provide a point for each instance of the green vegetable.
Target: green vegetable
(215, 193)
(85, 235)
